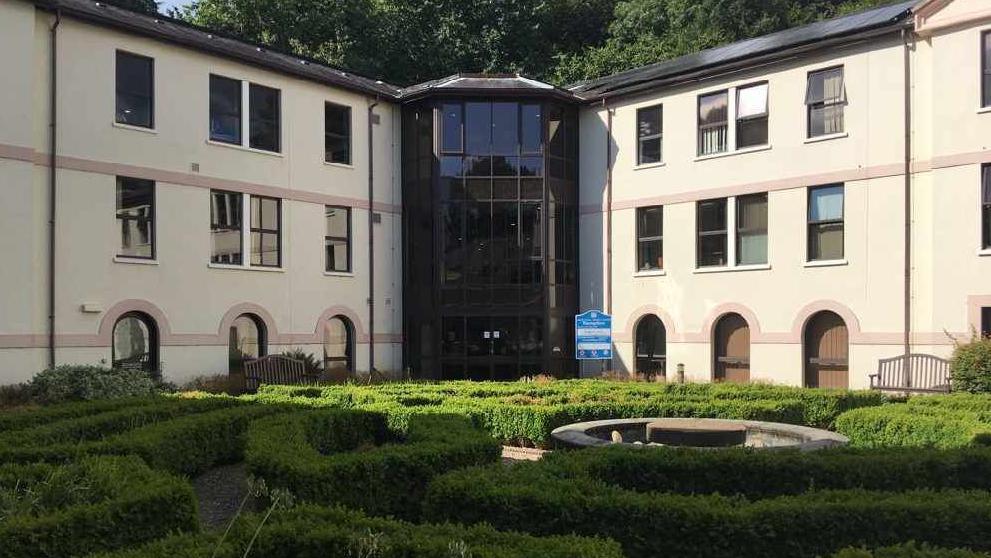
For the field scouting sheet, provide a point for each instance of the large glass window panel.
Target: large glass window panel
(478, 166)
(135, 89)
(136, 217)
(338, 346)
(453, 336)
(225, 227)
(712, 123)
(225, 110)
(532, 128)
(264, 117)
(825, 98)
(751, 115)
(986, 69)
(825, 230)
(751, 229)
(986, 206)
(505, 241)
(505, 166)
(478, 234)
(266, 222)
(452, 242)
(337, 134)
(649, 126)
(650, 239)
(531, 337)
(531, 239)
(505, 129)
(712, 234)
(135, 343)
(337, 238)
(451, 128)
(504, 342)
(555, 131)
(532, 166)
(478, 128)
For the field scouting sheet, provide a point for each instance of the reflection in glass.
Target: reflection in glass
(246, 341)
(337, 345)
(135, 343)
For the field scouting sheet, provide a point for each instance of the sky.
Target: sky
(165, 5)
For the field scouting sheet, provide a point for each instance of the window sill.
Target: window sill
(984, 252)
(152, 131)
(339, 273)
(246, 268)
(744, 151)
(650, 273)
(730, 268)
(826, 137)
(138, 261)
(984, 110)
(649, 166)
(348, 166)
(825, 263)
(245, 148)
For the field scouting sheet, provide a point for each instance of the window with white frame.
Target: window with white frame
(649, 134)
(986, 69)
(986, 207)
(825, 229)
(746, 105)
(136, 217)
(650, 238)
(135, 84)
(228, 100)
(337, 133)
(337, 238)
(732, 232)
(825, 98)
(713, 130)
(230, 232)
(751, 115)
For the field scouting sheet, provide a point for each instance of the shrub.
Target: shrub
(15, 395)
(914, 426)
(339, 533)
(79, 383)
(95, 504)
(909, 550)
(970, 366)
(353, 458)
(35, 416)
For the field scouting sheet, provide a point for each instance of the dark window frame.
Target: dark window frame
(840, 102)
(123, 220)
(348, 358)
(461, 127)
(699, 233)
(641, 239)
(347, 241)
(263, 231)
(765, 116)
(699, 127)
(153, 365)
(643, 138)
(239, 114)
(347, 136)
(214, 226)
(151, 88)
(986, 322)
(740, 232)
(275, 122)
(985, 197)
(813, 226)
(985, 71)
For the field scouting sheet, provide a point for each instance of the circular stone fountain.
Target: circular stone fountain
(696, 433)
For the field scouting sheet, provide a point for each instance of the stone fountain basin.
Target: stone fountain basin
(698, 433)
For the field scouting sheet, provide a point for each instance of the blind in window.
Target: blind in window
(752, 101)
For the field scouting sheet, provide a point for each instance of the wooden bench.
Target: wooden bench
(275, 369)
(914, 373)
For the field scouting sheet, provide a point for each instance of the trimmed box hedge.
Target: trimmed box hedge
(99, 503)
(353, 458)
(909, 550)
(940, 424)
(338, 533)
(25, 418)
(657, 524)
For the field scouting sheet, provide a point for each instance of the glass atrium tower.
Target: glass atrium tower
(490, 209)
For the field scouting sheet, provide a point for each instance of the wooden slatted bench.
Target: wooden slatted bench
(275, 369)
(914, 373)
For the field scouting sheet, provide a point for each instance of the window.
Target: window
(338, 348)
(266, 225)
(986, 321)
(712, 123)
(246, 341)
(651, 347)
(649, 132)
(825, 98)
(751, 115)
(135, 90)
(337, 134)
(338, 238)
(986, 69)
(986, 207)
(135, 343)
(226, 227)
(751, 229)
(225, 110)
(452, 128)
(825, 236)
(136, 217)
(263, 117)
(650, 238)
(712, 233)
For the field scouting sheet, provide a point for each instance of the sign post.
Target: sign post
(593, 336)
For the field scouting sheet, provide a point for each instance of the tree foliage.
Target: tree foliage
(409, 41)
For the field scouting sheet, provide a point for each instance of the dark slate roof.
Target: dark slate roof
(750, 51)
(491, 84)
(171, 30)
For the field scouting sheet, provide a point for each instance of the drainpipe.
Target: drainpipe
(907, 340)
(608, 208)
(371, 240)
(52, 187)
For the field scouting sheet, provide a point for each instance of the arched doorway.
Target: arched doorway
(247, 341)
(826, 346)
(651, 347)
(731, 362)
(135, 343)
(338, 346)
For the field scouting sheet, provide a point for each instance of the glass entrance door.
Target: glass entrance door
(491, 347)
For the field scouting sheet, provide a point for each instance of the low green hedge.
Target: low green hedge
(353, 458)
(909, 550)
(761, 474)
(25, 418)
(310, 531)
(915, 425)
(95, 504)
(657, 524)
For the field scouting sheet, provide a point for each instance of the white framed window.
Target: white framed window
(746, 106)
(231, 233)
(731, 232)
(826, 223)
(825, 98)
(650, 122)
(230, 99)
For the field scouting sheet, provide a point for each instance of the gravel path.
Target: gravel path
(220, 492)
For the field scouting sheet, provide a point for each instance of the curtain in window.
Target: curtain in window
(752, 229)
(825, 96)
(826, 204)
(712, 123)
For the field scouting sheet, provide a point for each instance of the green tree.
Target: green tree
(145, 6)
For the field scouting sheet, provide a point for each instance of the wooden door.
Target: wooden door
(827, 343)
(732, 356)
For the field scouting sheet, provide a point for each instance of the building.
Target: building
(789, 208)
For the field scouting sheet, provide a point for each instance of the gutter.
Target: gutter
(907, 335)
(371, 238)
(52, 184)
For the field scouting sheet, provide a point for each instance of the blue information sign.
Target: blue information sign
(593, 336)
